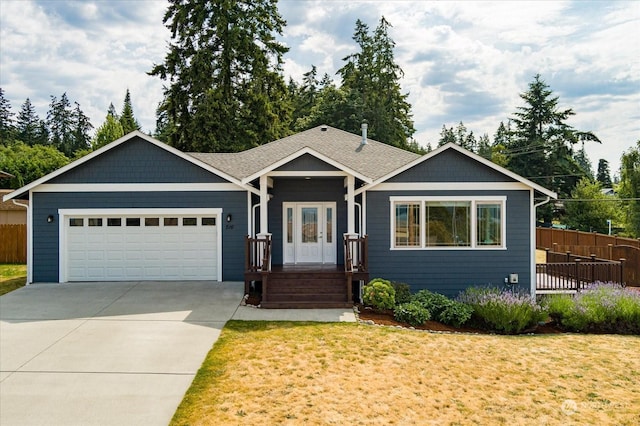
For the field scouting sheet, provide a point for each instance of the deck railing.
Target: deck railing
(355, 253)
(576, 273)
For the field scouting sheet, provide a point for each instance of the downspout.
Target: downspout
(542, 203)
(26, 206)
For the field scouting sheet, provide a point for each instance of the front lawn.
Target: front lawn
(12, 277)
(294, 373)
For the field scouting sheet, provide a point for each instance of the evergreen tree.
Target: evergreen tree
(28, 124)
(604, 174)
(447, 135)
(629, 189)
(108, 132)
(81, 129)
(541, 147)
(60, 124)
(112, 111)
(226, 91)
(7, 127)
(371, 82)
(582, 159)
(127, 119)
(484, 147)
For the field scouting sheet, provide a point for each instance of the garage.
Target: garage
(140, 244)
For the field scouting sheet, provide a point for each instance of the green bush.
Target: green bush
(411, 313)
(403, 293)
(433, 302)
(379, 294)
(455, 314)
(602, 308)
(505, 312)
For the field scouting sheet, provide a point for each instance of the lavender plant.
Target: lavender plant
(502, 311)
(602, 307)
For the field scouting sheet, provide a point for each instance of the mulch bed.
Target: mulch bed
(386, 318)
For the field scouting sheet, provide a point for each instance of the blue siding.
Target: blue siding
(138, 161)
(450, 166)
(45, 235)
(306, 162)
(315, 189)
(450, 271)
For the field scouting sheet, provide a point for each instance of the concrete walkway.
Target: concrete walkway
(115, 353)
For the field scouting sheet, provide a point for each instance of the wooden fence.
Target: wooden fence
(568, 245)
(13, 243)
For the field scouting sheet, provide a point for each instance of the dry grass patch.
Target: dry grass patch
(293, 373)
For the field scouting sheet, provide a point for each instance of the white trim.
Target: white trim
(135, 187)
(264, 207)
(299, 153)
(446, 186)
(532, 236)
(363, 218)
(474, 200)
(307, 173)
(351, 214)
(114, 144)
(469, 154)
(64, 213)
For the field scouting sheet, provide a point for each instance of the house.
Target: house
(11, 213)
(286, 214)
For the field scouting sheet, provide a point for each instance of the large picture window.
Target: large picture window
(448, 222)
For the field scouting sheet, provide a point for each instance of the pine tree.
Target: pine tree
(447, 135)
(226, 91)
(7, 128)
(81, 128)
(371, 82)
(604, 174)
(541, 146)
(127, 119)
(60, 124)
(630, 189)
(27, 124)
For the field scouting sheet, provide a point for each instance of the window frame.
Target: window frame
(475, 200)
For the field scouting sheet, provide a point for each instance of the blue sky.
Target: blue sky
(463, 61)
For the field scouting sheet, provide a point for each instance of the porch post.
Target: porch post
(351, 206)
(264, 199)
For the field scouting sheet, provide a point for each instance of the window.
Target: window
(76, 222)
(170, 221)
(407, 229)
(208, 221)
(289, 225)
(151, 221)
(133, 221)
(189, 221)
(114, 221)
(447, 222)
(489, 228)
(95, 221)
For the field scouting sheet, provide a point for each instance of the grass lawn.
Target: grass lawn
(12, 277)
(293, 373)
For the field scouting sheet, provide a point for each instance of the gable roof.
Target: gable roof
(18, 192)
(341, 149)
(516, 177)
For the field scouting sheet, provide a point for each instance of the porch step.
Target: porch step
(306, 289)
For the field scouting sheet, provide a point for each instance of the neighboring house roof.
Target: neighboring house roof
(342, 149)
(9, 205)
(4, 175)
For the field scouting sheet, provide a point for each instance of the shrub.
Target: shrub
(505, 312)
(435, 303)
(602, 307)
(379, 293)
(403, 293)
(411, 313)
(455, 314)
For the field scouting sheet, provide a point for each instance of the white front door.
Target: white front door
(309, 233)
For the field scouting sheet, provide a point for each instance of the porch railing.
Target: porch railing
(257, 255)
(355, 254)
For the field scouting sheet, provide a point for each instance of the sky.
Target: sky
(463, 61)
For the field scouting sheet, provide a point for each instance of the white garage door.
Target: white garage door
(131, 246)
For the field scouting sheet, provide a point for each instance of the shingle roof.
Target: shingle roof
(9, 205)
(373, 160)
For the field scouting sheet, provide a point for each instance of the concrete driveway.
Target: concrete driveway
(106, 353)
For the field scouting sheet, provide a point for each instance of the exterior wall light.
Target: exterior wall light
(229, 218)
(50, 218)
